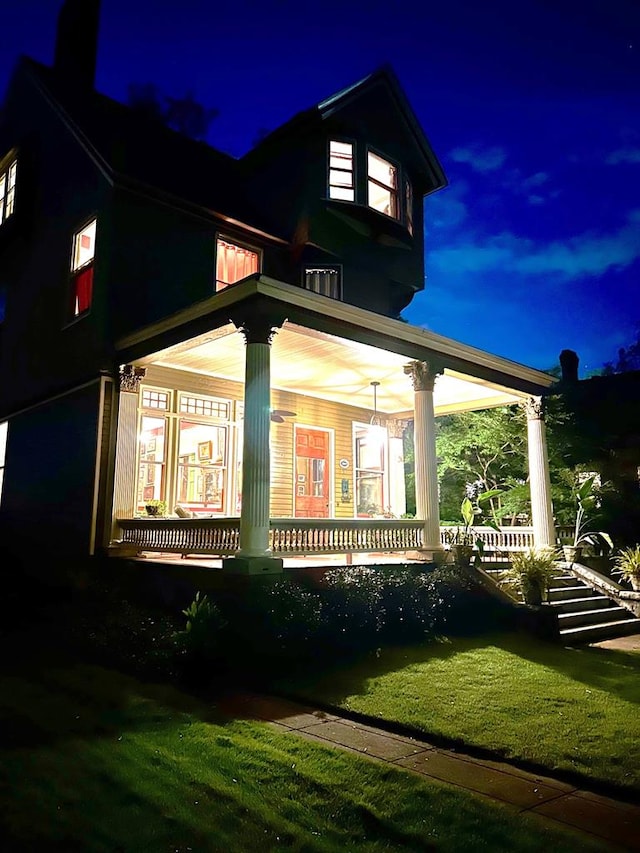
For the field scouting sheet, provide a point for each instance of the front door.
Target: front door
(311, 478)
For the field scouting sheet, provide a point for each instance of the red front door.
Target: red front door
(311, 473)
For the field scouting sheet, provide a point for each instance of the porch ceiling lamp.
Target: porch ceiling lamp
(376, 432)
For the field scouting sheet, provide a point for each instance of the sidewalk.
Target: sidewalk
(605, 820)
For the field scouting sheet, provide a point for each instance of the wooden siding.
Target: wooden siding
(310, 412)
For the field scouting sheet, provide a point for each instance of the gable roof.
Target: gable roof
(138, 152)
(384, 77)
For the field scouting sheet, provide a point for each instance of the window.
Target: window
(324, 280)
(8, 190)
(204, 406)
(341, 185)
(81, 291)
(370, 451)
(408, 205)
(155, 399)
(202, 462)
(152, 445)
(4, 428)
(233, 263)
(382, 185)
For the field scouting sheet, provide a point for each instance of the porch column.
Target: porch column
(254, 555)
(125, 474)
(423, 376)
(539, 479)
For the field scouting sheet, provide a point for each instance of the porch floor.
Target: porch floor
(312, 561)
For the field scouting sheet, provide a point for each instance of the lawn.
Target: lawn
(573, 710)
(93, 760)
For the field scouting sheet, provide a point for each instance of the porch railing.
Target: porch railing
(300, 536)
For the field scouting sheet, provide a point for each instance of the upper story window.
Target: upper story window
(8, 190)
(341, 183)
(234, 263)
(82, 257)
(4, 428)
(382, 185)
(387, 188)
(324, 280)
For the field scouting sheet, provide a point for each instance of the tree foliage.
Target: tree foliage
(628, 358)
(185, 114)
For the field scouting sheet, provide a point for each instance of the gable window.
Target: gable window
(233, 263)
(382, 185)
(8, 190)
(324, 280)
(341, 184)
(82, 257)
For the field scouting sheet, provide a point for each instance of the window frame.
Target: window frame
(75, 272)
(239, 244)
(4, 439)
(353, 171)
(337, 267)
(393, 191)
(9, 191)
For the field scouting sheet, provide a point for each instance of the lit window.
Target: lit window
(382, 185)
(84, 242)
(323, 280)
(152, 445)
(370, 446)
(233, 263)
(8, 190)
(204, 406)
(4, 427)
(341, 184)
(155, 399)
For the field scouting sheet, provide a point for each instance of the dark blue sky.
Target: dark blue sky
(532, 106)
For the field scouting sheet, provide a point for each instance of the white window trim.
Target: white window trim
(354, 170)
(9, 170)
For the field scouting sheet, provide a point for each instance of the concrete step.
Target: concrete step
(603, 631)
(573, 605)
(562, 593)
(592, 617)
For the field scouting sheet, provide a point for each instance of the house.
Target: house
(223, 334)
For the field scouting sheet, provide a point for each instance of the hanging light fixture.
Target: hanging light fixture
(376, 433)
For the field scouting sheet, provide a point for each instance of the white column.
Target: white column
(254, 555)
(125, 474)
(423, 376)
(539, 479)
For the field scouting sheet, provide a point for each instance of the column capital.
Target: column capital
(423, 374)
(258, 324)
(131, 377)
(534, 408)
(396, 427)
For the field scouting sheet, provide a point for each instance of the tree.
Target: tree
(185, 115)
(628, 358)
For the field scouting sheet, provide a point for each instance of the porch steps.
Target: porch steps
(585, 615)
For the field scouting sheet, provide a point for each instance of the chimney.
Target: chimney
(77, 42)
(569, 363)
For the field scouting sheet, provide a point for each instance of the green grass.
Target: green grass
(91, 760)
(564, 709)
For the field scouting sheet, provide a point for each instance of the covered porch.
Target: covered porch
(276, 419)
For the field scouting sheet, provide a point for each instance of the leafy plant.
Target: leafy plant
(628, 564)
(205, 623)
(586, 500)
(465, 535)
(531, 573)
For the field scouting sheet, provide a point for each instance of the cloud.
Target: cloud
(480, 159)
(587, 254)
(623, 155)
(535, 180)
(447, 209)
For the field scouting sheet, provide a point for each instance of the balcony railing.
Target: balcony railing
(301, 536)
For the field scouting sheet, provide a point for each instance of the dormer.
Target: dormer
(346, 179)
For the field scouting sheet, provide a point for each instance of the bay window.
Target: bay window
(8, 190)
(382, 185)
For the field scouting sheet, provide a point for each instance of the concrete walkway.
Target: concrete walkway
(614, 824)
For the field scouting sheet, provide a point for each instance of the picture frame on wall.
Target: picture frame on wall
(204, 450)
(151, 445)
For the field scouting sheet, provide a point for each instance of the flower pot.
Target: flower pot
(152, 510)
(635, 582)
(531, 592)
(572, 553)
(462, 554)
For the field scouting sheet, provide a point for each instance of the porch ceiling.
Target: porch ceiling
(317, 364)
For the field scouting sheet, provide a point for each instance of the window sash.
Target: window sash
(341, 182)
(82, 290)
(382, 185)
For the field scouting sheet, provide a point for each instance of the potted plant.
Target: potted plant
(155, 508)
(628, 563)
(586, 500)
(531, 573)
(463, 539)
